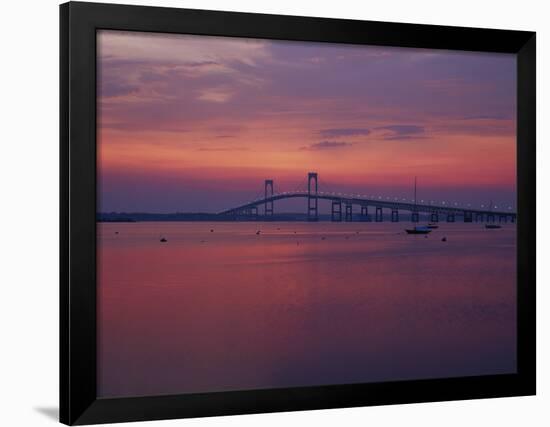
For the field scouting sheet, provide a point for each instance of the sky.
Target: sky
(197, 123)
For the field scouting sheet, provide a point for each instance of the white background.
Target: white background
(29, 210)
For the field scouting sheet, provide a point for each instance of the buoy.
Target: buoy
(211, 230)
(444, 239)
(258, 232)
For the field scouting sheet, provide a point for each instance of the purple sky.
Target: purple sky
(194, 123)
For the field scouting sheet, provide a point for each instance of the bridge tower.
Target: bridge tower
(336, 211)
(349, 212)
(312, 200)
(379, 214)
(394, 215)
(365, 213)
(268, 206)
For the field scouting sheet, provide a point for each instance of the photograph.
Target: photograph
(276, 213)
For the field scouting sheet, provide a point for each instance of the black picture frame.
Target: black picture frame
(78, 25)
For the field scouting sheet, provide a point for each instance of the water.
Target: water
(300, 304)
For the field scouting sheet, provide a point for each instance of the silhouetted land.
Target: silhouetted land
(192, 216)
(199, 216)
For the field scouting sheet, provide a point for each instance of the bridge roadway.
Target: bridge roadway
(434, 210)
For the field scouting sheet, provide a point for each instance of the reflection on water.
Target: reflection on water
(300, 304)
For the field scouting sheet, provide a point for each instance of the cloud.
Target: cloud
(488, 117)
(326, 145)
(179, 48)
(224, 149)
(113, 89)
(338, 132)
(478, 128)
(401, 132)
(218, 95)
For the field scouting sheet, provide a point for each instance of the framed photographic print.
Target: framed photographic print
(272, 213)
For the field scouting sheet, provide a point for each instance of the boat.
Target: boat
(492, 226)
(163, 240)
(419, 229)
(432, 226)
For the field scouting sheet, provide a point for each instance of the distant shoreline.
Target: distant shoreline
(206, 218)
(124, 217)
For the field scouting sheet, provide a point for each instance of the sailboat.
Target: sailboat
(492, 226)
(419, 229)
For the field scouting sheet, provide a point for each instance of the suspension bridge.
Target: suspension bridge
(343, 207)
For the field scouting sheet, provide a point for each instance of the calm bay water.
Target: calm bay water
(300, 304)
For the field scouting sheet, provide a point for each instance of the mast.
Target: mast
(415, 193)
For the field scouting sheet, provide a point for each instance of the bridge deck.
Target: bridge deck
(357, 200)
